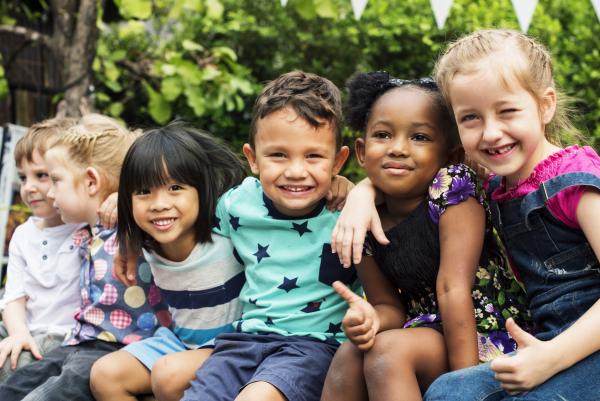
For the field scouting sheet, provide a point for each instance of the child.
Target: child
(291, 321)
(435, 215)
(170, 183)
(546, 199)
(84, 168)
(42, 289)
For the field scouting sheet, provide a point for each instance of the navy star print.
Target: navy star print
(312, 307)
(217, 223)
(301, 228)
(269, 321)
(334, 328)
(261, 253)
(234, 221)
(288, 284)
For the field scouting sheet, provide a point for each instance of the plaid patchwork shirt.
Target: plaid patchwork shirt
(109, 310)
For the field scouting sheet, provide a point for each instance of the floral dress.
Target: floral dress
(411, 261)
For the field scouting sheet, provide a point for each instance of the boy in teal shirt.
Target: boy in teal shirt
(280, 229)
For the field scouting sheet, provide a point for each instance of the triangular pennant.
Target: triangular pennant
(596, 4)
(284, 2)
(358, 6)
(524, 10)
(441, 9)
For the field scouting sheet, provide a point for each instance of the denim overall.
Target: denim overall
(561, 275)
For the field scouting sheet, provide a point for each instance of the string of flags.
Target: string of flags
(441, 10)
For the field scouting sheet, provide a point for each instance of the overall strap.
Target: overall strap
(550, 188)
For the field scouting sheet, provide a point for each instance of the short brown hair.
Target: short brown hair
(39, 135)
(315, 99)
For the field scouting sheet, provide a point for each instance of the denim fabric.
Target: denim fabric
(63, 374)
(578, 383)
(561, 275)
(45, 342)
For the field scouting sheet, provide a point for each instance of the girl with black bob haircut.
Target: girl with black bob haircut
(439, 291)
(170, 182)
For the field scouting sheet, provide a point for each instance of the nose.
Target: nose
(295, 169)
(160, 201)
(398, 146)
(491, 131)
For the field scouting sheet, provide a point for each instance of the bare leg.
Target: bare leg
(172, 374)
(119, 376)
(345, 380)
(260, 391)
(404, 362)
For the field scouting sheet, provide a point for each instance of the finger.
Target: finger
(522, 337)
(377, 230)
(3, 354)
(14, 355)
(347, 243)
(35, 351)
(512, 389)
(334, 234)
(357, 244)
(361, 338)
(131, 268)
(502, 364)
(345, 292)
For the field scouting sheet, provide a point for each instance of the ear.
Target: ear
(340, 159)
(92, 181)
(251, 157)
(359, 149)
(548, 105)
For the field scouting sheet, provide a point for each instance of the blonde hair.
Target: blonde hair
(100, 142)
(533, 71)
(38, 136)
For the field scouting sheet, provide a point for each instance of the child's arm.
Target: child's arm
(537, 361)
(19, 338)
(461, 231)
(383, 311)
(337, 194)
(358, 216)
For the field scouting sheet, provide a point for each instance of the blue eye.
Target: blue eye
(468, 117)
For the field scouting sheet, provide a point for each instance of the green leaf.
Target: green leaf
(195, 100)
(171, 88)
(158, 108)
(115, 109)
(306, 9)
(223, 51)
(140, 9)
(326, 9)
(214, 9)
(501, 298)
(190, 73)
(191, 46)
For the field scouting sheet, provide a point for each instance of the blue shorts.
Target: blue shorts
(151, 349)
(295, 365)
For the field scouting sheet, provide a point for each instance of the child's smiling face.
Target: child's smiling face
(35, 183)
(404, 144)
(295, 161)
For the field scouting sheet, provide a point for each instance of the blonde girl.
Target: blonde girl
(500, 86)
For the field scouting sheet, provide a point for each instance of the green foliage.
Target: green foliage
(205, 60)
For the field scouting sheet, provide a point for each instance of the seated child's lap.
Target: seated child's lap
(295, 365)
(151, 349)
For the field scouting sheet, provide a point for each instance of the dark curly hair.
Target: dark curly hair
(365, 88)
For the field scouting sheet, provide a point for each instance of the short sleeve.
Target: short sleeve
(452, 185)
(220, 225)
(15, 271)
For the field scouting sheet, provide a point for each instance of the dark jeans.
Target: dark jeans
(63, 374)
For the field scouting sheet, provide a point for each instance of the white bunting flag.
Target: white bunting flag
(596, 4)
(524, 10)
(441, 9)
(358, 6)
(284, 2)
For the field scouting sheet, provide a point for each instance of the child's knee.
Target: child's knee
(346, 366)
(164, 379)
(104, 375)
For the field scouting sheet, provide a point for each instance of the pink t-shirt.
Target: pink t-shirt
(563, 206)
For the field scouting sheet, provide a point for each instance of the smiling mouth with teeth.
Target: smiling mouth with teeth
(163, 222)
(295, 188)
(500, 151)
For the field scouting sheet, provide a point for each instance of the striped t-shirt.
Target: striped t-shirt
(202, 291)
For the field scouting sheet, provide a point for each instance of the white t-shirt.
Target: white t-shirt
(43, 266)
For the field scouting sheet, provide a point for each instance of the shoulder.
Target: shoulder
(578, 159)
(245, 192)
(452, 185)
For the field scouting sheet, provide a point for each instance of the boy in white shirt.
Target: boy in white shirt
(42, 287)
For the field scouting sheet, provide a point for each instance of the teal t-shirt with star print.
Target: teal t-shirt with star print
(288, 264)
